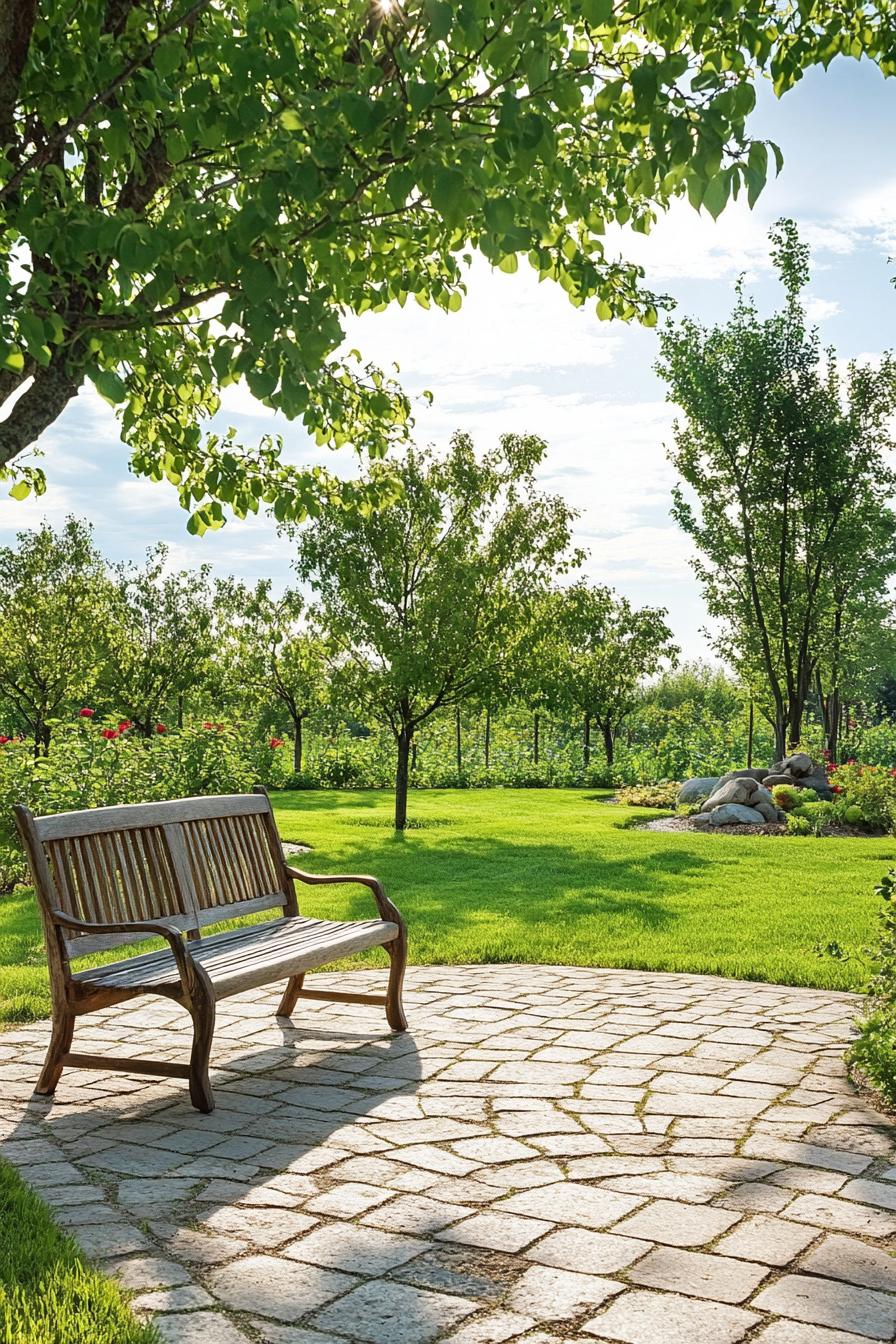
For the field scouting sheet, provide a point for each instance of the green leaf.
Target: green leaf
(110, 387)
(715, 198)
(21, 490)
(290, 119)
(15, 361)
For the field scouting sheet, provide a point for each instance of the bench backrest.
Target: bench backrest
(185, 863)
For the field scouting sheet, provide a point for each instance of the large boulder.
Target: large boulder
(768, 810)
(695, 790)
(751, 772)
(735, 791)
(819, 783)
(762, 795)
(735, 814)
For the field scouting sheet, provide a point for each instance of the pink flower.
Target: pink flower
(86, 713)
(160, 728)
(110, 734)
(275, 742)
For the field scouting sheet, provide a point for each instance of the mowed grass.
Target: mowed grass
(557, 876)
(48, 1295)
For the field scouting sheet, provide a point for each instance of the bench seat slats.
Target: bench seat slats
(248, 957)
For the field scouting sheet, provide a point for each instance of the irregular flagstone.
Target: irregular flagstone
(548, 1155)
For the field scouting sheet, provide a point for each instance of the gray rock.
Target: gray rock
(768, 810)
(762, 795)
(695, 790)
(752, 772)
(819, 783)
(779, 777)
(735, 791)
(798, 765)
(735, 814)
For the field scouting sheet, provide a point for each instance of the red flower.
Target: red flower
(110, 734)
(160, 728)
(835, 788)
(208, 725)
(86, 713)
(125, 725)
(275, 742)
(4, 740)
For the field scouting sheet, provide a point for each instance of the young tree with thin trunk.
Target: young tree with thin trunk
(786, 484)
(609, 649)
(158, 639)
(54, 604)
(269, 654)
(423, 599)
(197, 192)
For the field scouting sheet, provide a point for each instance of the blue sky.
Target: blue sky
(518, 357)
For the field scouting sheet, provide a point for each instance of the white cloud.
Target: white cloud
(818, 309)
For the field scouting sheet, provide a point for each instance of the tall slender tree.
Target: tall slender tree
(785, 486)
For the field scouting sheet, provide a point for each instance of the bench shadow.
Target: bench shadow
(291, 1151)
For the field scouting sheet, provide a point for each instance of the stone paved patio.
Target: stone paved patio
(550, 1154)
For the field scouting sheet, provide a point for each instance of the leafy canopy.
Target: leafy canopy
(195, 192)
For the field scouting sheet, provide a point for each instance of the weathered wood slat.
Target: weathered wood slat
(84, 944)
(139, 815)
(243, 958)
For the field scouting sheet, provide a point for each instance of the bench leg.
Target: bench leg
(203, 1015)
(60, 1042)
(398, 960)
(291, 995)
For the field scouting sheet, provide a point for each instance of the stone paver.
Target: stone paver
(549, 1155)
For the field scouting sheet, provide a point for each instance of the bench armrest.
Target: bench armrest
(184, 962)
(387, 910)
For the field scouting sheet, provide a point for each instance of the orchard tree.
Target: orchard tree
(785, 486)
(158, 639)
(610, 648)
(54, 602)
(269, 651)
(423, 600)
(195, 192)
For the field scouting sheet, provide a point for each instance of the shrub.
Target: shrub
(650, 795)
(787, 797)
(95, 764)
(818, 816)
(797, 825)
(875, 1050)
(870, 788)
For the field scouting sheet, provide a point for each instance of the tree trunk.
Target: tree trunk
(43, 401)
(297, 744)
(405, 737)
(488, 736)
(750, 730)
(609, 741)
(180, 709)
(780, 737)
(536, 734)
(458, 744)
(586, 741)
(413, 755)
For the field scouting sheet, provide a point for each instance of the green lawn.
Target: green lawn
(48, 1295)
(555, 876)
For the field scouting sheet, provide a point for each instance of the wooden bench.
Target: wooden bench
(113, 875)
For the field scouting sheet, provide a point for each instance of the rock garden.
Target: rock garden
(793, 796)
